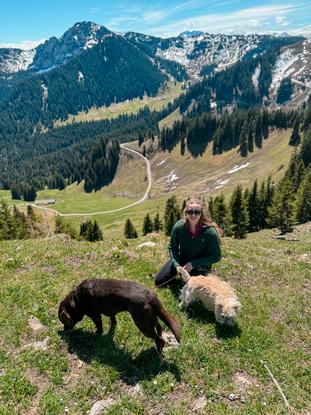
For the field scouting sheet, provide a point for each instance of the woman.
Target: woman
(194, 244)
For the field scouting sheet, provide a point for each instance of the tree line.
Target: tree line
(245, 129)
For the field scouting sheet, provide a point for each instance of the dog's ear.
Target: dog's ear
(65, 317)
(72, 301)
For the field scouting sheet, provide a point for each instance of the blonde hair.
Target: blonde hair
(205, 220)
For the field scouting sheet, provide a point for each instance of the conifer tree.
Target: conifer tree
(97, 234)
(302, 207)
(129, 230)
(295, 171)
(211, 207)
(147, 225)
(305, 150)
(268, 198)
(157, 224)
(243, 141)
(16, 192)
(238, 217)
(220, 211)
(295, 136)
(7, 228)
(254, 208)
(171, 214)
(91, 231)
(281, 210)
(140, 139)
(30, 194)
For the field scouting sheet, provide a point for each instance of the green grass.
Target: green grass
(272, 278)
(165, 95)
(199, 176)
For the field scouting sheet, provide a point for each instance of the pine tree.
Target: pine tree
(220, 211)
(295, 171)
(305, 150)
(97, 234)
(171, 214)
(16, 192)
(30, 194)
(254, 210)
(7, 225)
(91, 231)
(147, 225)
(268, 198)
(302, 207)
(157, 224)
(295, 136)
(281, 210)
(129, 230)
(238, 217)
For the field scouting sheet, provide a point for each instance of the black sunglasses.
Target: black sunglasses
(195, 212)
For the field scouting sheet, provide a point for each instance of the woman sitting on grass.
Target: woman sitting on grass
(194, 244)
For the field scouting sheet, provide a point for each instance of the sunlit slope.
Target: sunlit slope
(210, 174)
(204, 176)
(165, 95)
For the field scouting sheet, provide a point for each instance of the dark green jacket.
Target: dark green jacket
(204, 250)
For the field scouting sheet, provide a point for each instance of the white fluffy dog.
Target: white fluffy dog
(215, 294)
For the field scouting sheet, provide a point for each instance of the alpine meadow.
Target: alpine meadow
(116, 147)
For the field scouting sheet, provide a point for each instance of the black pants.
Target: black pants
(168, 273)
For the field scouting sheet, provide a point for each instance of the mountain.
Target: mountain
(14, 60)
(197, 52)
(294, 65)
(80, 37)
(54, 51)
(87, 66)
(191, 33)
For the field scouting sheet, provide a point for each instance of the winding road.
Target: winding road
(123, 146)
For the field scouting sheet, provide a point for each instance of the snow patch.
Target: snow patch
(282, 66)
(45, 95)
(18, 61)
(172, 177)
(161, 162)
(238, 167)
(80, 76)
(255, 76)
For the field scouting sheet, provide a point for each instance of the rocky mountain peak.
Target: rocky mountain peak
(57, 51)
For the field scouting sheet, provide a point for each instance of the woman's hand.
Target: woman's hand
(188, 267)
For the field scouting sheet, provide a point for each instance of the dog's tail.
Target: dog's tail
(169, 321)
(185, 276)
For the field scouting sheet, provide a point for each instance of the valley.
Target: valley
(99, 128)
(172, 174)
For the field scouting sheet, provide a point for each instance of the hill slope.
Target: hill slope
(204, 176)
(44, 370)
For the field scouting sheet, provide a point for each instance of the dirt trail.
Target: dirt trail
(123, 146)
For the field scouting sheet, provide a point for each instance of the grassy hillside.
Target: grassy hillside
(68, 373)
(205, 176)
(165, 95)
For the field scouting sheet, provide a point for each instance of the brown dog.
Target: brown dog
(94, 297)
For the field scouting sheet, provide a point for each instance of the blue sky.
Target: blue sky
(33, 20)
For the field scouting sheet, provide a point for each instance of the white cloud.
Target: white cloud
(153, 16)
(281, 20)
(244, 20)
(24, 45)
